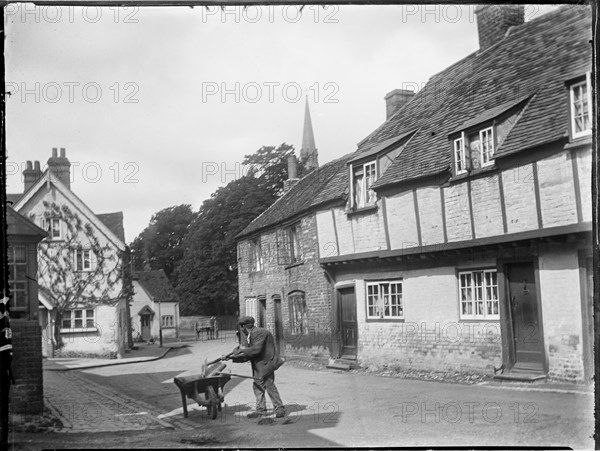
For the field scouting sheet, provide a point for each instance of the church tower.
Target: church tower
(308, 153)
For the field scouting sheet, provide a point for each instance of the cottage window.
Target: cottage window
(78, 319)
(252, 307)
(486, 145)
(478, 292)
(459, 156)
(384, 300)
(17, 266)
(167, 321)
(298, 313)
(581, 101)
(53, 227)
(363, 177)
(294, 244)
(83, 259)
(256, 258)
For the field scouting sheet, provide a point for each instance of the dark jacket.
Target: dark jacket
(261, 351)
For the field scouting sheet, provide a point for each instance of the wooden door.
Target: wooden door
(528, 340)
(278, 323)
(347, 321)
(145, 321)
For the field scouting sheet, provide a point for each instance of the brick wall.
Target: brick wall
(368, 231)
(487, 211)
(557, 192)
(432, 336)
(277, 279)
(430, 215)
(458, 216)
(519, 198)
(402, 224)
(26, 396)
(561, 309)
(584, 171)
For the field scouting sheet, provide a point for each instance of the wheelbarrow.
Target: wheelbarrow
(206, 390)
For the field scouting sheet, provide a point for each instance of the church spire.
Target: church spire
(308, 152)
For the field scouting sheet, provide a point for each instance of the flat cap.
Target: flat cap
(245, 320)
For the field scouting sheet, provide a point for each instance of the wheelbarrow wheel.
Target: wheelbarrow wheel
(214, 402)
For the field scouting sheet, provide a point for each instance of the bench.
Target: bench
(208, 325)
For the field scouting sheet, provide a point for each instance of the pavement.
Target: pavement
(133, 401)
(142, 352)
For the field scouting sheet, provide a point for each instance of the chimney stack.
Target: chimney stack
(31, 175)
(60, 167)
(493, 21)
(395, 100)
(292, 173)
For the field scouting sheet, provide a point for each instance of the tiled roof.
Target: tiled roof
(157, 285)
(325, 184)
(531, 64)
(537, 56)
(114, 221)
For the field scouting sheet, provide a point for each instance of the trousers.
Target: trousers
(267, 384)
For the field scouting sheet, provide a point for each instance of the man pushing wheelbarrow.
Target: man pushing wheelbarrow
(258, 346)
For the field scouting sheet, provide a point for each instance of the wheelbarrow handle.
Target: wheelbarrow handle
(220, 373)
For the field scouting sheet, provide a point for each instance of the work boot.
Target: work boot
(255, 414)
(280, 412)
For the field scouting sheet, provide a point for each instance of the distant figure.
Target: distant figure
(198, 330)
(213, 326)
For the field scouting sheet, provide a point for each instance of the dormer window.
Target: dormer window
(486, 145)
(460, 164)
(363, 177)
(580, 98)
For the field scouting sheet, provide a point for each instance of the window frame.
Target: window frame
(16, 293)
(83, 251)
(48, 226)
(369, 197)
(84, 318)
(256, 256)
(490, 160)
(474, 316)
(295, 247)
(462, 150)
(586, 82)
(379, 312)
(165, 320)
(298, 318)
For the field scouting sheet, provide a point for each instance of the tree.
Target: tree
(160, 245)
(208, 271)
(269, 165)
(78, 269)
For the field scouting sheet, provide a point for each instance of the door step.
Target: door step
(344, 364)
(521, 376)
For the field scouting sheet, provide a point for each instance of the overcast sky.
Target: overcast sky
(158, 106)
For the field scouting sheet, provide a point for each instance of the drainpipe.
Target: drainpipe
(159, 326)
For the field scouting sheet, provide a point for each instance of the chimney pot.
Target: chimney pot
(29, 166)
(493, 21)
(54, 152)
(395, 100)
(292, 167)
(62, 152)
(37, 166)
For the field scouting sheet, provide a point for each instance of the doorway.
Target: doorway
(525, 310)
(145, 322)
(347, 322)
